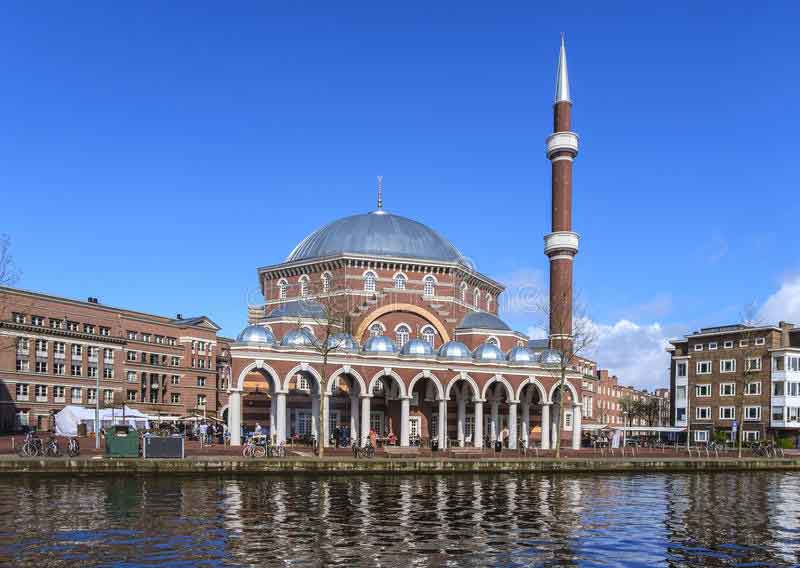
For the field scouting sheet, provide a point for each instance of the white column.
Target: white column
(442, 424)
(365, 410)
(324, 427)
(354, 417)
(404, 410)
(512, 425)
(462, 415)
(493, 421)
(235, 417)
(280, 416)
(478, 435)
(315, 416)
(272, 413)
(545, 426)
(576, 426)
(526, 422)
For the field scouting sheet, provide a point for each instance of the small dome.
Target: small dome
(256, 334)
(521, 355)
(343, 342)
(417, 347)
(454, 350)
(488, 352)
(298, 338)
(482, 320)
(550, 357)
(379, 344)
(298, 309)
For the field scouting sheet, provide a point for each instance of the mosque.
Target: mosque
(382, 324)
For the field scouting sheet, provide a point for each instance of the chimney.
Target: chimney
(179, 316)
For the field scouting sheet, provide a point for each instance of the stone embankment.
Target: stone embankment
(200, 465)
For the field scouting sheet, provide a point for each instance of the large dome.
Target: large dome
(377, 234)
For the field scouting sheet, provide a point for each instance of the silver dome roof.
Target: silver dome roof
(297, 338)
(256, 334)
(298, 308)
(343, 342)
(522, 355)
(488, 352)
(417, 347)
(455, 350)
(482, 320)
(379, 344)
(550, 356)
(377, 234)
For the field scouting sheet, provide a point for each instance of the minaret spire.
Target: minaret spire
(561, 244)
(562, 77)
(380, 193)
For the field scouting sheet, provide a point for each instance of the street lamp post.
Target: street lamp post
(97, 412)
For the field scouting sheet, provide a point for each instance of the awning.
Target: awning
(647, 429)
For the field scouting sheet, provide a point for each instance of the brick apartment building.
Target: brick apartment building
(719, 373)
(54, 350)
(603, 398)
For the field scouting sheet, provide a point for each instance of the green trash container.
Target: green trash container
(122, 442)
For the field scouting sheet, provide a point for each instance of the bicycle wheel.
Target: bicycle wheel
(259, 451)
(246, 451)
(22, 450)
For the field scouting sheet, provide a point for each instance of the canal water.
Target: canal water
(722, 519)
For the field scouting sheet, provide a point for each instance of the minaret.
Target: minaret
(561, 245)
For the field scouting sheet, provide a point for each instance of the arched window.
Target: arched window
(463, 292)
(476, 298)
(399, 282)
(369, 282)
(429, 335)
(493, 341)
(326, 282)
(375, 330)
(303, 286)
(430, 286)
(488, 302)
(282, 287)
(402, 332)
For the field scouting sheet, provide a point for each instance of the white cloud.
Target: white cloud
(635, 353)
(536, 332)
(783, 305)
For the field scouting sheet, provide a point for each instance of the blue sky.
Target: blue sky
(154, 154)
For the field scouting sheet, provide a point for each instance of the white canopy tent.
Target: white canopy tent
(70, 416)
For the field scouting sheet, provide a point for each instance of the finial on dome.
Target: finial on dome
(562, 79)
(380, 192)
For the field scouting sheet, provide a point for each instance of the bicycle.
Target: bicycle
(73, 447)
(52, 449)
(367, 451)
(277, 451)
(253, 450)
(31, 447)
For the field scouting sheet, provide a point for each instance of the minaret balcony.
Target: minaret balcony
(562, 142)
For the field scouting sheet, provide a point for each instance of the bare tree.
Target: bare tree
(752, 365)
(651, 410)
(328, 307)
(8, 270)
(631, 409)
(566, 351)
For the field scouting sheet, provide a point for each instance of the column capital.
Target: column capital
(514, 402)
(405, 397)
(479, 401)
(283, 392)
(235, 391)
(363, 396)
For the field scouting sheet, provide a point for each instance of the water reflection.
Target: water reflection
(657, 520)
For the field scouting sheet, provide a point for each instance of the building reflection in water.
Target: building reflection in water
(464, 520)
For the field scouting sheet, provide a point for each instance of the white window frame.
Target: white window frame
(703, 364)
(761, 341)
(728, 344)
(698, 347)
(701, 436)
(303, 283)
(399, 281)
(698, 410)
(429, 286)
(376, 327)
(370, 281)
(713, 346)
(756, 418)
(747, 388)
(752, 435)
(326, 282)
(724, 363)
(402, 333)
(727, 410)
(283, 287)
(429, 334)
(678, 373)
(749, 367)
(722, 388)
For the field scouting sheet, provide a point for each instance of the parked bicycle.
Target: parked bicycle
(31, 447)
(276, 450)
(253, 450)
(366, 451)
(52, 450)
(73, 447)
